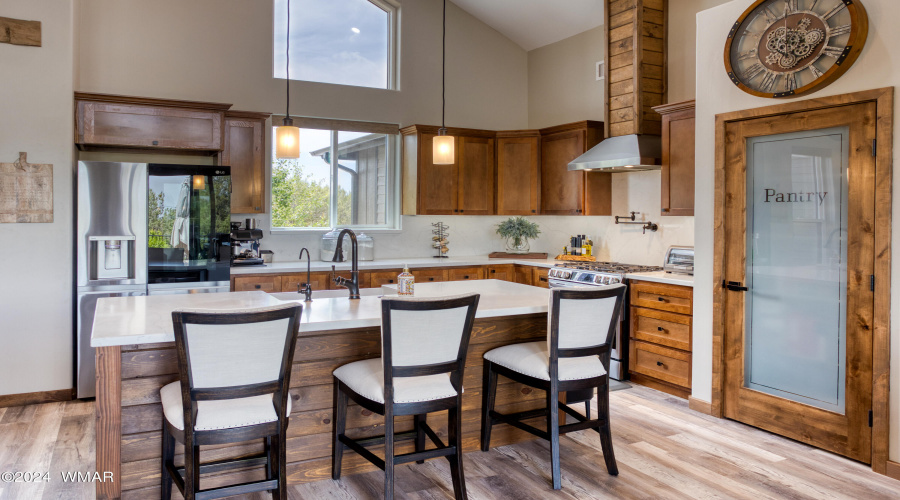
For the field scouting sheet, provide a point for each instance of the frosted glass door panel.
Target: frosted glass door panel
(796, 304)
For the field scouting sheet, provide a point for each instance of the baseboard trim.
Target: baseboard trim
(33, 398)
(699, 405)
(892, 470)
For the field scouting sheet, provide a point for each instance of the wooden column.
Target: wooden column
(635, 65)
(109, 421)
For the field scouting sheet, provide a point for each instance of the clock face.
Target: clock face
(783, 48)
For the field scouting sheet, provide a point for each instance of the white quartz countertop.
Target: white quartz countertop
(663, 277)
(413, 262)
(148, 320)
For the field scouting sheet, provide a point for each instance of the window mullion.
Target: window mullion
(333, 204)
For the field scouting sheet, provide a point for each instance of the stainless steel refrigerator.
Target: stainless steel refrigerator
(110, 249)
(146, 228)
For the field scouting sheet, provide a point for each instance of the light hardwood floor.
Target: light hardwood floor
(664, 450)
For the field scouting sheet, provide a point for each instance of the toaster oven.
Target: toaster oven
(679, 260)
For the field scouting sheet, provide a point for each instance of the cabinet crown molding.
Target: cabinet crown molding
(150, 101)
(675, 107)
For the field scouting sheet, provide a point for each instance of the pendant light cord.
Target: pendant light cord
(444, 68)
(287, 65)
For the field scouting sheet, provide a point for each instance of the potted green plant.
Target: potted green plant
(517, 231)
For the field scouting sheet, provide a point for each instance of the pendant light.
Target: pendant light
(444, 145)
(287, 136)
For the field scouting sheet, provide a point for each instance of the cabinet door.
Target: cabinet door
(524, 274)
(110, 124)
(378, 278)
(476, 175)
(429, 275)
(562, 190)
(678, 163)
(318, 280)
(437, 183)
(540, 277)
(518, 175)
(505, 272)
(245, 154)
(465, 273)
(269, 284)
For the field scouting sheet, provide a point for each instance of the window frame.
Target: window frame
(392, 181)
(392, 9)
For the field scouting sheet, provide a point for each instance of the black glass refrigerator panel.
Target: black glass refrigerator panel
(189, 214)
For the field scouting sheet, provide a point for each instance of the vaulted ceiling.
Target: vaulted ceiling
(535, 23)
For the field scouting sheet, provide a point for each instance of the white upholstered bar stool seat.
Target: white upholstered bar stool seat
(533, 359)
(366, 378)
(220, 414)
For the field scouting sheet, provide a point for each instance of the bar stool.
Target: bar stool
(575, 356)
(423, 344)
(235, 370)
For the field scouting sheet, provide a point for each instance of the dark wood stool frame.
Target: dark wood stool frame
(453, 450)
(272, 433)
(554, 386)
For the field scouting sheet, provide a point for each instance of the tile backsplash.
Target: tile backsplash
(475, 235)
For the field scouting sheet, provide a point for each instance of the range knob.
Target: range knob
(552, 273)
(565, 274)
(613, 281)
(598, 279)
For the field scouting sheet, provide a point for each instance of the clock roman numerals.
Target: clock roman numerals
(832, 51)
(768, 81)
(770, 16)
(815, 71)
(790, 82)
(791, 7)
(831, 13)
(752, 71)
(840, 30)
(750, 54)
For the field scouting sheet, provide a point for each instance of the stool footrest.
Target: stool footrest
(237, 489)
(515, 420)
(359, 446)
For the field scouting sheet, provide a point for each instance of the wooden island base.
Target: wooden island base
(129, 414)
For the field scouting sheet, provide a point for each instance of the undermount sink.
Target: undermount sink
(330, 294)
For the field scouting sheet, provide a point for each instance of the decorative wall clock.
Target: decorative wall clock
(784, 48)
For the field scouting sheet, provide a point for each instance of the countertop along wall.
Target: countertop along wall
(36, 290)
(878, 66)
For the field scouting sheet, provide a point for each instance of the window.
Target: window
(347, 42)
(342, 178)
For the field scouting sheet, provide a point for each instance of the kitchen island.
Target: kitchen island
(136, 356)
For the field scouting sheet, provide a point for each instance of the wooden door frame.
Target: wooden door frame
(881, 339)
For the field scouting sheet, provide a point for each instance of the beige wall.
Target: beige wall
(877, 67)
(36, 289)
(561, 83)
(221, 50)
(681, 57)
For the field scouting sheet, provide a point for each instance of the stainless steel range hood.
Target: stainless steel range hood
(627, 153)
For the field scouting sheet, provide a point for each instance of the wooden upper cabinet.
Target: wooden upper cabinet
(465, 187)
(677, 158)
(565, 192)
(244, 151)
(110, 120)
(475, 175)
(518, 172)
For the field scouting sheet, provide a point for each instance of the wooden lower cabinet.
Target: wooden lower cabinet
(379, 278)
(524, 274)
(505, 272)
(541, 277)
(429, 275)
(660, 334)
(318, 280)
(270, 284)
(465, 273)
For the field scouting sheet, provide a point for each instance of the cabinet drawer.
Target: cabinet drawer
(262, 283)
(319, 281)
(661, 363)
(672, 298)
(378, 278)
(429, 275)
(524, 274)
(465, 273)
(541, 277)
(503, 272)
(112, 124)
(660, 327)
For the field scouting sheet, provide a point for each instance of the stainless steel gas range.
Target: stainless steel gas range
(574, 274)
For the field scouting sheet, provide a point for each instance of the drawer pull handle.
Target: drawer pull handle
(390, 281)
(661, 299)
(660, 363)
(431, 279)
(258, 286)
(661, 329)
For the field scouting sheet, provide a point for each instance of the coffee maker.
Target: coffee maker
(245, 246)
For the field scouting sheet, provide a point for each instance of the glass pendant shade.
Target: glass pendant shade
(444, 150)
(199, 182)
(287, 142)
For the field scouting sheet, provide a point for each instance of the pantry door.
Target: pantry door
(799, 222)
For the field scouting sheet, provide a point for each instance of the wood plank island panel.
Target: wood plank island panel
(142, 370)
